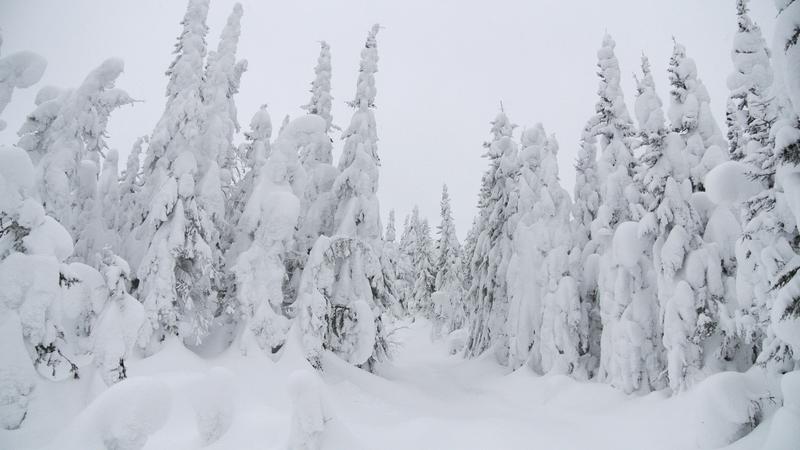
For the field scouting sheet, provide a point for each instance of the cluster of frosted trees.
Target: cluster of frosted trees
(678, 256)
(202, 240)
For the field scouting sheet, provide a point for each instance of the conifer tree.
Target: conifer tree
(254, 153)
(584, 257)
(781, 261)
(750, 107)
(177, 270)
(217, 155)
(321, 99)
(526, 278)
(448, 284)
(65, 135)
(422, 259)
(317, 159)
(265, 239)
(689, 115)
(488, 295)
(390, 234)
(564, 324)
(130, 212)
(346, 282)
(619, 199)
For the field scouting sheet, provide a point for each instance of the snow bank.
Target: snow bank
(17, 377)
(731, 405)
(784, 432)
(122, 418)
(314, 427)
(213, 403)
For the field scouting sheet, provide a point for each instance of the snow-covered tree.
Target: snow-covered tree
(265, 240)
(408, 247)
(117, 329)
(18, 71)
(687, 283)
(584, 257)
(488, 296)
(254, 153)
(619, 202)
(448, 284)
(750, 111)
(177, 272)
(216, 155)
(397, 262)
(32, 248)
(362, 289)
(391, 231)
(564, 322)
(130, 211)
(690, 115)
(526, 277)
(317, 159)
(422, 259)
(101, 227)
(321, 99)
(65, 135)
(781, 259)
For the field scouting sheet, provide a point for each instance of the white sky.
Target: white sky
(444, 67)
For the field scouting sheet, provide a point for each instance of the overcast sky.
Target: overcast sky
(444, 67)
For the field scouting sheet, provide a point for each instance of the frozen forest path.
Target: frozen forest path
(429, 399)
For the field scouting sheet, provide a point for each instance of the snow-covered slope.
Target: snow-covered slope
(426, 398)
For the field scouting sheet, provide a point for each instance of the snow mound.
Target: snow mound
(122, 418)
(22, 69)
(628, 246)
(17, 377)
(16, 167)
(213, 403)
(49, 238)
(308, 124)
(314, 427)
(729, 183)
(731, 404)
(456, 341)
(784, 432)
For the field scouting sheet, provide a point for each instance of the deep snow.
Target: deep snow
(426, 398)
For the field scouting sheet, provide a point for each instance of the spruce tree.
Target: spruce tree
(584, 257)
(488, 296)
(217, 155)
(526, 277)
(619, 198)
(65, 136)
(422, 259)
(347, 284)
(263, 243)
(781, 259)
(690, 116)
(564, 323)
(750, 111)
(448, 282)
(321, 99)
(177, 270)
(316, 156)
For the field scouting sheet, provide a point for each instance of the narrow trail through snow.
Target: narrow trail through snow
(428, 399)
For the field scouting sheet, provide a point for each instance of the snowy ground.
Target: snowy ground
(426, 399)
